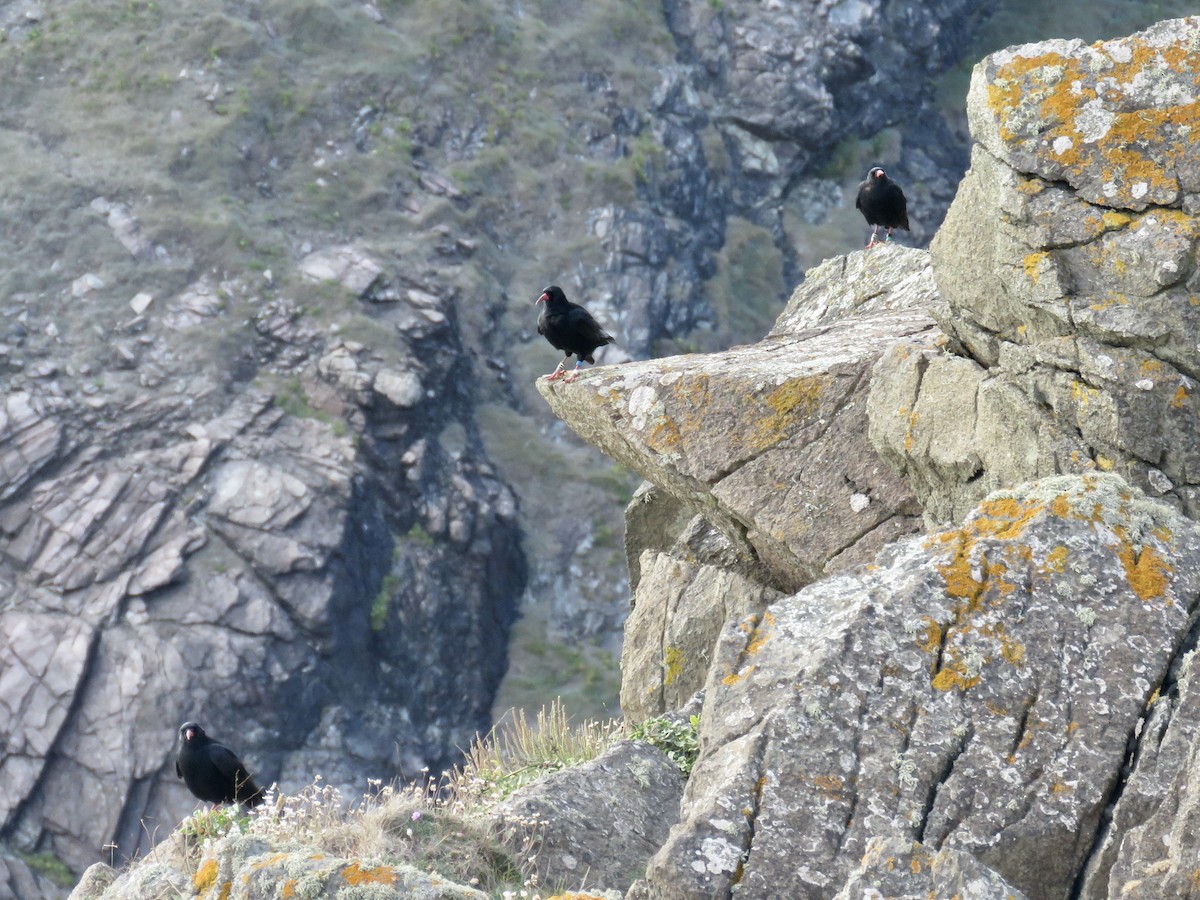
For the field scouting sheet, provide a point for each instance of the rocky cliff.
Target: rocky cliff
(1007, 702)
(270, 457)
(268, 434)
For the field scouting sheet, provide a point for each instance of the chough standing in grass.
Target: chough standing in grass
(569, 328)
(212, 771)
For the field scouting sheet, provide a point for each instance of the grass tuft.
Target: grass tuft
(522, 752)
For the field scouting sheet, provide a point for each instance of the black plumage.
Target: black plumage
(212, 771)
(882, 204)
(570, 328)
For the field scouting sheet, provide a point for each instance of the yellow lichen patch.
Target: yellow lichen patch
(664, 436)
(951, 677)
(785, 405)
(1059, 787)
(672, 664)
(354, 875)
(1011, 651)
(759, 631)
(931, 637)
(1056, 559)
(735, 677)
(1147, 572)
(288, 890)
(205, 877)
(1103, 463)
(1113, 220)
(1035, 264)
(1180, 397)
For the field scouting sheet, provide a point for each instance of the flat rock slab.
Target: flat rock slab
(974, 690)
(768, 440)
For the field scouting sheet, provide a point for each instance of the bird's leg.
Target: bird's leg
(557, 373)
(889, 236)
(574, 374)
(874, 237)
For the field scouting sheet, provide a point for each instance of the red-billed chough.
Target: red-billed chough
(882, 204)
(211, 771)
(570, 328)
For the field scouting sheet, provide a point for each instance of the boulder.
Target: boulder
(973, 690)
(1067, 270)
(251, 868)
(598, 822)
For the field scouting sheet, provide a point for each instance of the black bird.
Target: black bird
(882, 204)
(211, 771)
(570, 328)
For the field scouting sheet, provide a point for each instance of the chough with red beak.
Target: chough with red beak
(882, 204)
(212, 771)
(569, 328)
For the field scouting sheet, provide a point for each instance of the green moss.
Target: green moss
(50, 866)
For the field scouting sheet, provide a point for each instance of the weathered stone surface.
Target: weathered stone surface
(1067, 270)
(597, 823)
(900, 869)
(768, 441)
(683, 600)
(96, 879)
(30, 437)
(974, 690)
(1150, 849)
(351, 267)
(889, 277)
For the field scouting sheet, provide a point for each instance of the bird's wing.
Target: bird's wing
(178, 771)
(582, 323)
(226, 762)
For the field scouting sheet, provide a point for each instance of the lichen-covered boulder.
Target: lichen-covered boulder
(251, 868)
(769, 441)
(1067, 267)
(976, 690)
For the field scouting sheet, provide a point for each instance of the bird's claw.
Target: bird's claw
(555, 375)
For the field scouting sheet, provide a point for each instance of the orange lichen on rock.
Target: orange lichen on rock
(953, 677)
(783, 408)
(354, 874)
(1146, 571)
(1093, 112)
(206, 876)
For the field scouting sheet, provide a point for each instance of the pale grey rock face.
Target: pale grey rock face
(594, 825)
(679, 609)
(973, 691)
(1067, 270)
(899, 869)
